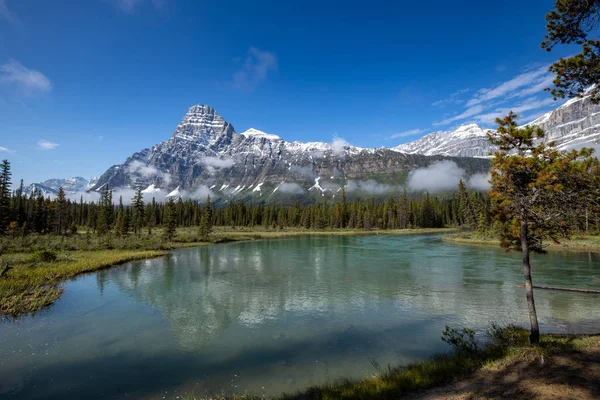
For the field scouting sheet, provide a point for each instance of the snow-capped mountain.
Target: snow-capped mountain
(466, 141)
(50, 187)
(206, 156)
(574, 124)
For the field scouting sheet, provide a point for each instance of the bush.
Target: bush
(44, 256)
(463, 341)
(509, 335)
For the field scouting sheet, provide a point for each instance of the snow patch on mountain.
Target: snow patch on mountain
(255, 133)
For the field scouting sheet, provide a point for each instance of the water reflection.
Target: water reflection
(275, 316)
(203, 291)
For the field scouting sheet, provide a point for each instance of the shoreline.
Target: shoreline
(31, 285)
(578, 244)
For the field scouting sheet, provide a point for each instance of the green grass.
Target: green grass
(32, 284)
(576, 243)
(506, 346)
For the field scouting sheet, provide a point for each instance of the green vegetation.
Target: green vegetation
(580, 242)
(37, 264)
(570, 23)
(538, 193)
(33, 280)
(504, 346)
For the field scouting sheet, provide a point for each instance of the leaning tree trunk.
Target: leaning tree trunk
(534, 337)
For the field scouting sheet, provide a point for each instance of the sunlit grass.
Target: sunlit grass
(575, 243)
(31, 285)
(507, 345)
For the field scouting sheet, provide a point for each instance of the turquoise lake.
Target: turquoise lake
(274, 316)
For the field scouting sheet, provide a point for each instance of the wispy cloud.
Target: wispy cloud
(338, 145)
(523, 80)
(255, 69)
(454, 98)
(6, 150)
(26, 81)
(487, 104)
(7, 14)
(410, 132)
(129, 6)
(469, 112)
(527, 105)
(46, 145)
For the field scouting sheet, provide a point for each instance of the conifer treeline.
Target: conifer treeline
(21, 213)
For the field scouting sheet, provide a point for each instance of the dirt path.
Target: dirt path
(574, 375)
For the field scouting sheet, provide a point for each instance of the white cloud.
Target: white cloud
(411, 132)
(254, 70)
(480, 181)
(290, 188)
(505, 88)
(145, 171)
(527, 105)
(338, 145)
(370, 186)
(306, 171)
(214, 163)
(46, 145)
(26, 81)
(441, 176)
(6, 150)
(470, 112)
(452, 99)
(129, 6)
(6, 13)
(537, 88)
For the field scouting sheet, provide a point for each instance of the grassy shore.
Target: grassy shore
(466, 374)
(40, 263)
(576, 243)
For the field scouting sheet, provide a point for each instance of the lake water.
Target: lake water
(271, 316)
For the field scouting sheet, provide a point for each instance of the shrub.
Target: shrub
(463, 341)
(44, 256)
(509, 335)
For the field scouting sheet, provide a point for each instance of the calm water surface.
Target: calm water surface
(272, 316)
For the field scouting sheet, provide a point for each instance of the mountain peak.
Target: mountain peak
(202, 123)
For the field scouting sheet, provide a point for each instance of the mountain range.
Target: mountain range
(205, 156)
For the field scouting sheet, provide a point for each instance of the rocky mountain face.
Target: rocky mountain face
(574, 124)
(205, 156)
(466, 141)
(50, 187)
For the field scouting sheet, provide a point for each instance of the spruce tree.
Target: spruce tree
(61, 222)
(206, 220)
(570, 23)
(137, 204)
(537, 190)
(5, 183)
(170, 220)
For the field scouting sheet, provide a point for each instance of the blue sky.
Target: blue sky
(84, 84)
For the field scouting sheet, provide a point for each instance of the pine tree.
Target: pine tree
(5, 183)
(206, 220)
(570, 23)
(61, 222)
(137, 203)
(537, 190)
(169, 220)
(105, 212)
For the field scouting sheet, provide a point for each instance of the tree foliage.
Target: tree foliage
(534, 181)
(570, 23)
(539, 192)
